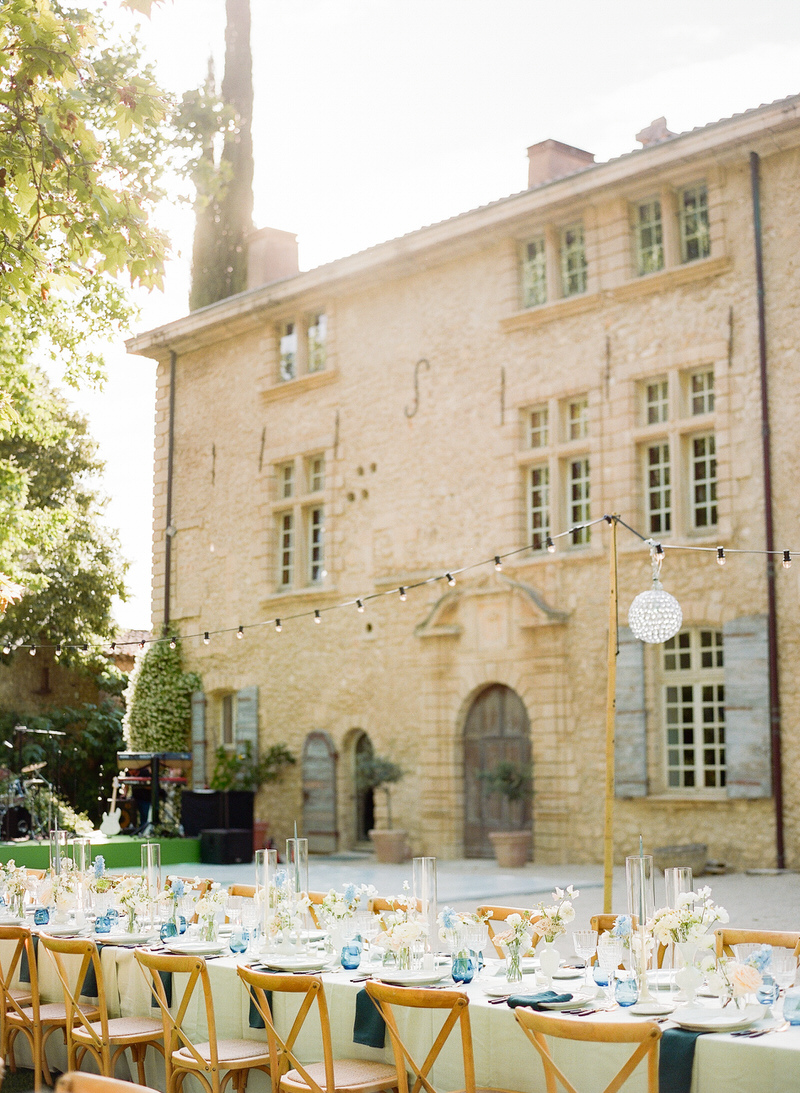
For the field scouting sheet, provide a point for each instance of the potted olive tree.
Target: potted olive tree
(512, 781)
(374, 772)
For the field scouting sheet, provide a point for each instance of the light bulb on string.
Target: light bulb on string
(317, 616)
(278, 626)
(787, 559)
(141, 645)
(720, 555)
(240, 632)
(206, 638)
(7, 650)
(58, 650)
(84, 648)
(32, 650)
(450, 579)
(173, 643)
(655, 616)
(113, 647)
(498, 565)
(360, 606)
(402, 594)
(551, 546)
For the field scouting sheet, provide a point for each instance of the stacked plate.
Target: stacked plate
(700, 1019)
(127, 940)
(309, 962)
(195, 948)
(404, 978)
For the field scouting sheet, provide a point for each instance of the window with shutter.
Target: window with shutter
(198, 740)
(247, 718)
(747, 711)
(630, 750)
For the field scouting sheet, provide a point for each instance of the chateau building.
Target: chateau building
(476, 388)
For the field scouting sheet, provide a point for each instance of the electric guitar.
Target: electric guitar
(109, 825)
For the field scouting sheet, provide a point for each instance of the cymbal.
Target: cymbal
(34, 767)
(35, 782)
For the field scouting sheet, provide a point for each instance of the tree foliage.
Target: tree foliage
(159, 700)
(510, 780)
(52, 540)
(240, 770)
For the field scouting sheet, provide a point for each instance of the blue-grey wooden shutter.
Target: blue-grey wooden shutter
(198, 740)
(747, 738)
(247, 718)
(630, 747)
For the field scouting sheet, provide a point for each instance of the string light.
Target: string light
(32, 650)
(450, 579)
(84, 648)
(498, 565)
(317, 616)
(173, 643)
(360, 606)
(240, 632)
(113, 647)
(402, 594)
(7, 650)
(551, 546)
(278, 626)
(720, 555)
(206, 638)
(141, 644)
(58, 650)
(787, 559)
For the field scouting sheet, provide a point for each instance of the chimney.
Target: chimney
(550, 159)
(655, 132)
(271, 256)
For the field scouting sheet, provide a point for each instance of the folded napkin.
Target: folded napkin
(369, 1028)
(166, 980)
(676, 1059)
(24, 970)
(255, 1020)
(534, 1001)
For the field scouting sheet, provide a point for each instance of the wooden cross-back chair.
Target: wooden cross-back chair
(248, 891)
(21, 1012)
(89, 1028)
(727, 937)
(493, 914)
(316, 899)
(80, 1081)
(645, 1034)
(205, 1060)
(456, 1002)
(288, 1074)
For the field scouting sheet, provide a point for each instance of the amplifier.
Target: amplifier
(226, 846)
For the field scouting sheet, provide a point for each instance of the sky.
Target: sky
(375, 117)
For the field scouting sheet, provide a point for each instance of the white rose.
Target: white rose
(514, 920)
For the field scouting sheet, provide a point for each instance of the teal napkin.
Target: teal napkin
(369, 1028)
(676, 1059)
(166, 979)
(24, 970)
(255, 1020)
(534, 1001)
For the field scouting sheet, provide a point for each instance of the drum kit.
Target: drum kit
(25, 808)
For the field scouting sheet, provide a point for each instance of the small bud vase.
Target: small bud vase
(514, 962)
(549, 961)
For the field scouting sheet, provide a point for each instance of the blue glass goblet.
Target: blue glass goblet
(626, 990)
(41, 916)
(112, 914)
(465, 964)
(351, 954)
(768, 992)
(102, 925)
(239, 941)
(168, 930)
(600, 976)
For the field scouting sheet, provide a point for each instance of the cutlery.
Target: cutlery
(753, 1033)
(497, 1001)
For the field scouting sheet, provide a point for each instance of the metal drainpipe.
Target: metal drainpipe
(168, 530)
(772, 613)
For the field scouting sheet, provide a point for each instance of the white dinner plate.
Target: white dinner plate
(124, 939)
(651, 1009)
(60, 931)
(310, 963)
(499, 988)
(569, 973)
(700, 1019)
(406, 978)
(10, 920)
(196, 948)
(576, 1002)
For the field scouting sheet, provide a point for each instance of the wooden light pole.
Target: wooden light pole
(611, 707)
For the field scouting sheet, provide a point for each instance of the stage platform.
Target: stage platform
(120, 851)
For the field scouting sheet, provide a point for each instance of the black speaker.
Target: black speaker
(237, 808)
(226, 846)
(200, 808)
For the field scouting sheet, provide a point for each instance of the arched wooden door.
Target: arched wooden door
(497, 730)
(319, 794)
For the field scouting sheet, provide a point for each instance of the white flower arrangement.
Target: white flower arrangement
(15, 879)
(690, 921)
(554, 918)
(519, 934)
(340, 906)
(401, 935)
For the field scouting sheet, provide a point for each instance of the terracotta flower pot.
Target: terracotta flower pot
(511, 848)
(391, 847)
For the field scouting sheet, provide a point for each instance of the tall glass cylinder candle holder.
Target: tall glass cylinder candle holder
(677, 881)
(266, 868)
(59, 844)
(424, 890)
(297, 864)
(151, 868)
(641, 903)
(82, 859)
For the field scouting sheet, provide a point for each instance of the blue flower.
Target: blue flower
(761, 959)
(349, 893)
(449, 918)
(281, 879)
(178, 888)
(99, 866)
(623, 926)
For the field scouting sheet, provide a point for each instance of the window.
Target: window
(538, 428)
(288, 347)
(303, 346)
(694, 710)
(317, 334)
(534, 273)
(578, 499)
(648, 238)
(286, 549)
(573, 260)
(226, 720)
(299, 557)
(703, 470)
(539, 507)
(656, 401)
(693, 218)
(701, 391)
(578, 419)
(659, 492)
(316, 474)
(316, 528)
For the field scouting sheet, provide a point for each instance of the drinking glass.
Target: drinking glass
(168, 930)
(609, 956)
(234, 909)
(676, 881)
(464, 965)
(425, 895)
(626, 989)
(784, 969)
(585, 944)
(239, 941)
(351, 953)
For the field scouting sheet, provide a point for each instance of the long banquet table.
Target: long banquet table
(503, 1056)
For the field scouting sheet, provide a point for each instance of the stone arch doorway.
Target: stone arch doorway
(319, 794)
(497, 729)
(364, 798)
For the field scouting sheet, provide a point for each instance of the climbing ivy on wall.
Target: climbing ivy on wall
(159, 701)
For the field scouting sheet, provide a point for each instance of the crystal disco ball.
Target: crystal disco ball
(655, 616)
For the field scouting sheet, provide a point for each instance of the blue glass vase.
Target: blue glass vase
(464, 966)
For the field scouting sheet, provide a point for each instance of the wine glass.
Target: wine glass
(585, 944)
(784, 967)
(609, 956)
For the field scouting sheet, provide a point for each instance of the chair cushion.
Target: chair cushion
(347, 1074)
(123, 1028)
(51, 1013)
(228, 1051)
(21, 997)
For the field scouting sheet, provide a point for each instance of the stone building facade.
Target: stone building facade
(587, 346)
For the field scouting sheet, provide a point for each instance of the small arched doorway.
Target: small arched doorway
(497, 729)
(364, 797)
(319, 794)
